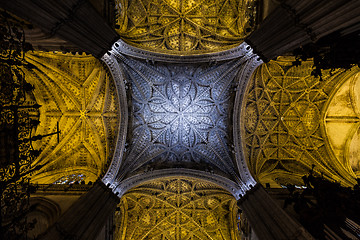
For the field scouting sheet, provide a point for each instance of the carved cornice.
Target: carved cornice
(235, 189)
(237, 52)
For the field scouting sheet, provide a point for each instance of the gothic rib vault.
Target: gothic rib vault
(293, 120)
(180, 116)
(78, 95)
(184, 123)
(181, 208)
(179, 110)
(185, 27)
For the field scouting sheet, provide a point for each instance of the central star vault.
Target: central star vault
(180, 115)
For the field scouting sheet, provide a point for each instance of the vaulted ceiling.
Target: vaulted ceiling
(293, 120)
(181, 208)
(187, 26)
(78, 97)
(180, 115)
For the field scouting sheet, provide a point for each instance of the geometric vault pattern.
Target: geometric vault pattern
(181, 115)
(78, 94)
(282, 123)
(185, 26)
(176, 209)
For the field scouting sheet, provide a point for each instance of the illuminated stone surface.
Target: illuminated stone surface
(176, 209)
(282, 124)
(185, 26)
(77, 93)
(181, 114)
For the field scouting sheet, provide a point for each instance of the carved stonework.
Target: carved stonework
(236, 189)
(180, 116)
(177, 208)
(185, 27)
(283, 135)
(78, 94)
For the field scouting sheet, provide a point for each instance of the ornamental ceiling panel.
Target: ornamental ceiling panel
(175, 209)
(185, 26)
(78, 97)
(181, 116)
(283, 124)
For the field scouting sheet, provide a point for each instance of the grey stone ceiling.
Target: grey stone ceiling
(180, 116)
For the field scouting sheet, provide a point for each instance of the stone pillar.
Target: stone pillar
(86, 217)
(296, 23)
(268, 219)
(75, 21)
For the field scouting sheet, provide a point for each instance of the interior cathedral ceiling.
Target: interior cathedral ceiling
(77, 96)
(182, 208)
(180, 72)
(186, 26)
(293, 120)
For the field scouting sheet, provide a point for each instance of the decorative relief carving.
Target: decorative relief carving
(282, 123)
(186, 26)
(236, 189)
(77, 93)
(180, 115)
(179, 208)
(119, 82)
(243, 78)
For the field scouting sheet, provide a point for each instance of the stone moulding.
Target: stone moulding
(125, 49)
(119, 79)
(235, 189)
(243, 78)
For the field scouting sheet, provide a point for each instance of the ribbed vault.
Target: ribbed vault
(185, 26)
(177, 208)
(77, 94)
(180, 117)
(293, 120)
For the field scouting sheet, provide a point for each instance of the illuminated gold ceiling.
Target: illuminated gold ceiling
(77, 93)
(177, 209)
(292, 120)
(185, 26)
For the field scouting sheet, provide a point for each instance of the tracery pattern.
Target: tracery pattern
(176, 209)
(282, 124)
(77, 93)
(181, 115)
(185, 26)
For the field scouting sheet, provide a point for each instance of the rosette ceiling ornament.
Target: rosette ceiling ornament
(186, 26)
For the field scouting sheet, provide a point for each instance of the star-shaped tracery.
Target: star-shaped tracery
(180, 115)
